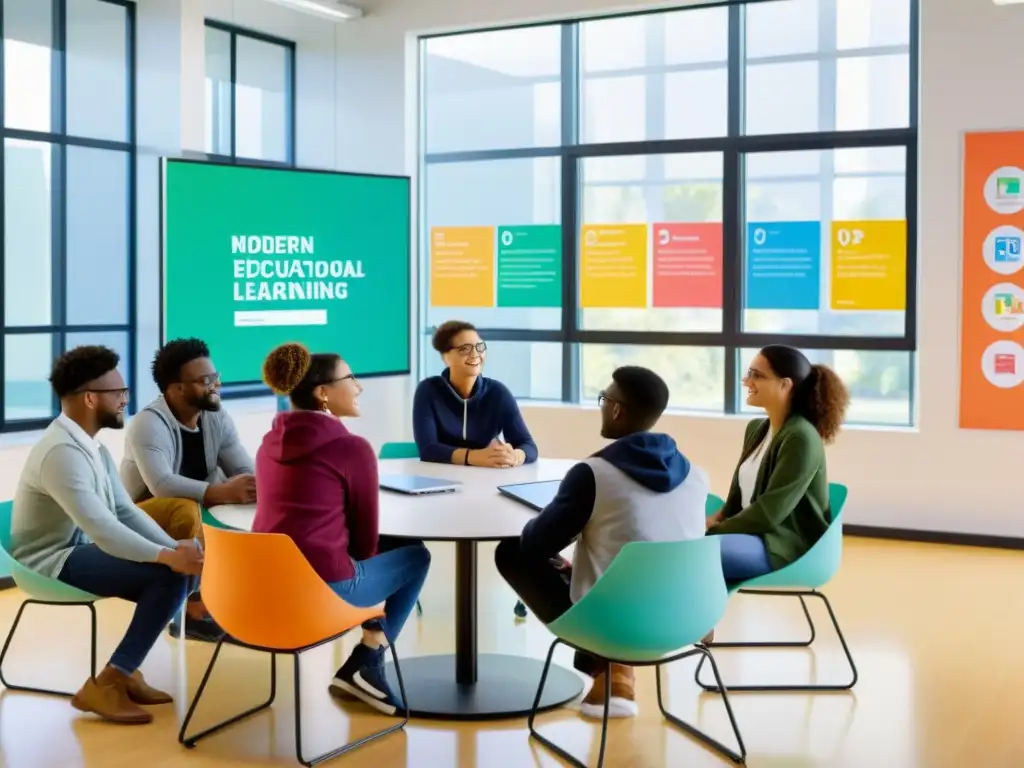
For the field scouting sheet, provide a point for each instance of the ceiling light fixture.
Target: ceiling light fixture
(1008, 2)
(325, 9)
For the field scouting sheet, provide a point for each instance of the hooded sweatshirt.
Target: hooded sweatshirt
(443, 420)
(639, 488)
(318, 483)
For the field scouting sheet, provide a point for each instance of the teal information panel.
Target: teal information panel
(530, 266)
(256, 257)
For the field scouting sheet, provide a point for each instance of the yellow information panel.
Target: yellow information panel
(869, 265)
(613, 266)
(462, 266)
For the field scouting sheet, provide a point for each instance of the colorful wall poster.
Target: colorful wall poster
(687, 264)
(783, 265)
(869, 265)
(530, 266)
(992, 284)
(462, 266)
(613, 266)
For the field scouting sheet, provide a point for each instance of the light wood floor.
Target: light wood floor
(936, 633)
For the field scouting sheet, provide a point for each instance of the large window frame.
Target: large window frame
(60, 139)
(734, 147)
(257, 389)
(234, 32)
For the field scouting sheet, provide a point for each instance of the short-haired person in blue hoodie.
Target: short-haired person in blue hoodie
(638, 488)
(462, 417)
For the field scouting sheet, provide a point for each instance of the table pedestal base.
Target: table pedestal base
(505, 687)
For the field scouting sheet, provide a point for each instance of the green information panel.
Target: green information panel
(255, 257)
(530, 266)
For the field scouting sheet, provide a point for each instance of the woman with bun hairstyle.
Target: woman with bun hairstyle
(462, 417)
(318, 483)
(778, 506)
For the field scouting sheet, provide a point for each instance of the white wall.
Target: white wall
(933, 477)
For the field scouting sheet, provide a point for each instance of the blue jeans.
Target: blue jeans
(394, 577)
(744, 556)
(157, 591)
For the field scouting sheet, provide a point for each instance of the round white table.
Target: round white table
(467, 685)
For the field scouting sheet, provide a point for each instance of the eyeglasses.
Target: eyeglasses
(753, 373)
(345, 378)
(207, 381)
(602, 398)
(122, 392)
(467, 349)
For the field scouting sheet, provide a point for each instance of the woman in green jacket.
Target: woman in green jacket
(777, 506)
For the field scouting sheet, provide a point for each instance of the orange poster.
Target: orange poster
(462, 266)
(992, 299)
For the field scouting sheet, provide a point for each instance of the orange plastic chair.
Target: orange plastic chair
(266, 596)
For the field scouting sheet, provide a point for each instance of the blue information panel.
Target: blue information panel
(783, 265)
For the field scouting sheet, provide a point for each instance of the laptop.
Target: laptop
(416, 485)
(536, 495)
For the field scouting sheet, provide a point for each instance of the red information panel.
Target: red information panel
(687, 264)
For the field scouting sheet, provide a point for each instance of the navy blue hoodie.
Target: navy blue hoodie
(649, 458)
(442, 420)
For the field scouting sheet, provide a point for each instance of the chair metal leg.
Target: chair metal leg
(534, 733)
(736, 757)
(308, 762)
(419, 608)
(788, 687)
(773, 643)
(191, 741)
(10, 636)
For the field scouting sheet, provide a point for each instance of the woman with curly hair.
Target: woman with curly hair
(318, 483)
(777, 506)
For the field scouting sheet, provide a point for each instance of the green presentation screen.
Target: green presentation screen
(255, 257)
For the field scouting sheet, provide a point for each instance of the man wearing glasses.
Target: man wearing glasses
(182, 452)
(72, 520)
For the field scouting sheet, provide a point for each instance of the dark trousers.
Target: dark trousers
(388, 543)
(157, 591)
(544, 589)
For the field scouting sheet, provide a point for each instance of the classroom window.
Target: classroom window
(250, 95)
(68, 247)
(702, 181)
(881, 384)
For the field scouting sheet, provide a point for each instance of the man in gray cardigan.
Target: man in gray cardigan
(182, 452)
(72, 520)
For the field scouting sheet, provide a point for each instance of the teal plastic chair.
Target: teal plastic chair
(399, 451)
(801, 579)
(213, 522)
(41, 590)
(655, 598)
(713, 504)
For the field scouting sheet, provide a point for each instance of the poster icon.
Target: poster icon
(1002, 250)
(1006, 364)
(1004, 190)
(1007, 249)
(1003, 307)
(1008, 187)
(1003, 364)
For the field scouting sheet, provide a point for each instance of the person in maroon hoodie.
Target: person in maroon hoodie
(318, 483)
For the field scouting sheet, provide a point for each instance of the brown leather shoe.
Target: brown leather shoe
(143, 693)
(623, 694)
(709, 638)
(106, 695)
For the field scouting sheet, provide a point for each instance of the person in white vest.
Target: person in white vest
(638, 488)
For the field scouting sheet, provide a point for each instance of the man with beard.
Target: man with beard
(182, 452)
(72, 520)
